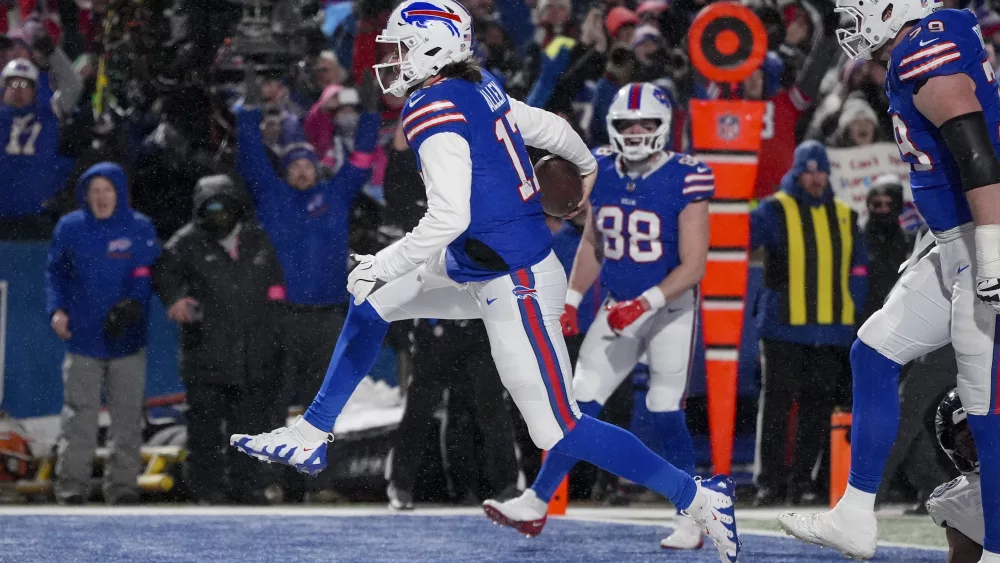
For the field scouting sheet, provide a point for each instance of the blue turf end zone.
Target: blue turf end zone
(139, 538)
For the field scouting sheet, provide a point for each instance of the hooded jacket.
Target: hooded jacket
(309, 228)
(767, 230)
(94, 264)
(235, 342)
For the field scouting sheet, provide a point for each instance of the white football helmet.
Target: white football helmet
(639, 101)
(874, 25)
(428, 35)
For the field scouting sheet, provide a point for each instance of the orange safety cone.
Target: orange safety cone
(559, 500)
(840, 454)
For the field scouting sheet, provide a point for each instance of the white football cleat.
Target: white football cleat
(687, 534)
(526, 513)
(851, 531)
(286, 446)
(716, 498)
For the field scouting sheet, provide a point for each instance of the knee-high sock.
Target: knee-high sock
(556, 466)
(671, 431)
(986, 433)
(621, 453)
(355, 354)
(875, 416)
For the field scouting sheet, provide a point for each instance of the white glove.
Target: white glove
(364, 278)
(988, 265)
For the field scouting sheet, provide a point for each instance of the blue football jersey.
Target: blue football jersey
(944, 43)
(507, 231)
(31, 168)
(638, 218)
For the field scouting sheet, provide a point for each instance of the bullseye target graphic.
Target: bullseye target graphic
(727, 42)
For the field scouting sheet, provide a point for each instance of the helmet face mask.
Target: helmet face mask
(639, 104)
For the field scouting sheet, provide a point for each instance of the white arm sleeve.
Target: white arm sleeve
(548, 131)
(446, 164)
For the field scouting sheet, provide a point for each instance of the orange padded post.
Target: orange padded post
(840, 454)
(726, 136)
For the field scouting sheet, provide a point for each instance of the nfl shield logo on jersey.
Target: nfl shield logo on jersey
(523, 293)
(728, 127)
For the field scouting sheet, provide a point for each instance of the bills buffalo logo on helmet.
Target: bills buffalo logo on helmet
(661, 96)
(523, 293)
(420, 14)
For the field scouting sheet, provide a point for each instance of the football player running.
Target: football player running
(482, 250)
(946, 115)
(650, 209)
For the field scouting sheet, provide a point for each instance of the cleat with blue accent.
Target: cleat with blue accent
(717, 498)
(286, 446)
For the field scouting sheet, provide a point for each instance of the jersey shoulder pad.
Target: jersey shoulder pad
(943, 43)
(690, 162)
(432, 110)
(603, 152)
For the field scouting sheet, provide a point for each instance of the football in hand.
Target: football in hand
(560, 183)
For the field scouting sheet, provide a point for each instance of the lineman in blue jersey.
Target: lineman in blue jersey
(650, 208)
(946, 114)
(481, 251)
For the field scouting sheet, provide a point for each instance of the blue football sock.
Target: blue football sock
(986, 433)
(557, 466)
(671, 431)
(875, 416)
(355, 354)
(618, 451)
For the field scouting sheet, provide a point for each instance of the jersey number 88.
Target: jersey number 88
(637, 227)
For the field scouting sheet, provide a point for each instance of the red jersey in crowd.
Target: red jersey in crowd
(778, 139)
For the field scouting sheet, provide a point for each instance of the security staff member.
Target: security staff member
(815, 279)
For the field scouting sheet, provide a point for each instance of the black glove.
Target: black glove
(370, 93)
(122, 315)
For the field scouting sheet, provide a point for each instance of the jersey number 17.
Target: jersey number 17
(505, 128)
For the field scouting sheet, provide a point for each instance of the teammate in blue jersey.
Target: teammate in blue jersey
(482, 250)
(946, 115)
(650, 208)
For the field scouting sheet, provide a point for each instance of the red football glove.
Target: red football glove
(569, 322)
(624, 313)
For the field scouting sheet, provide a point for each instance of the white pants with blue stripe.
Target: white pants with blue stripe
(935, 303)
(663, 340)
(521, 313)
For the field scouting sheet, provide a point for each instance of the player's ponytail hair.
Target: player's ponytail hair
(467, 70)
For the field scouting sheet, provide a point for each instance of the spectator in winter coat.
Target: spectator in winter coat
(221, 281)
(308, 222)
(888, 246)
(97, 285)
(815, 279)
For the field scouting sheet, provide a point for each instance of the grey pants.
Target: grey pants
(124, 383)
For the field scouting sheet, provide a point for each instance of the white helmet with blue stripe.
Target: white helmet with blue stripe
(428, 35)
(639, 102)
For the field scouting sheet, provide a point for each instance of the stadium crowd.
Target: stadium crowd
(227, 156)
